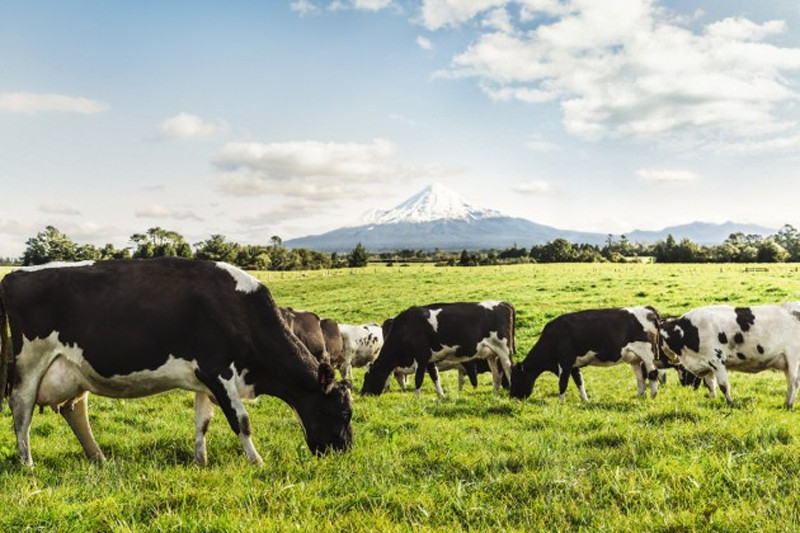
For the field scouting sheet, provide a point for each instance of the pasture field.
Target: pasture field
(475, 460)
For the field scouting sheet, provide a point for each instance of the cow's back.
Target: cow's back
(132, 315)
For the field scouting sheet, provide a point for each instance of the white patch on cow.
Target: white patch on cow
(642, 314)
(56, 264)
(433, 319)
(490, 304)
(244, 281)
(491, 345)
(586, 359)
(447, 352)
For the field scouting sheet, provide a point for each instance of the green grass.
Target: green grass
(475, 460)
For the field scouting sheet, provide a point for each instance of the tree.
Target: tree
(557, 251)
(358, 256)
(789, 238)
(217, 248)
(770, 251)
(48, 245)
(159, 242)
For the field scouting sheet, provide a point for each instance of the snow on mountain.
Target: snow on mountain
(434, 202)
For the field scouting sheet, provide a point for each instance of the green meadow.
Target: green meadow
(475, 460)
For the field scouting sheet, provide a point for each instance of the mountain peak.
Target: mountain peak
(434, 202)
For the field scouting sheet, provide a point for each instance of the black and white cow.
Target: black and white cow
(597, 337)
(362, 343)
(710, 341)
(427, 335)
(128, 329)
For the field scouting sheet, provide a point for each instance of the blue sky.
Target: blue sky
(259, 118)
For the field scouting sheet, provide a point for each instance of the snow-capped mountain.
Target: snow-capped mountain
(437, 217)
(434, 202)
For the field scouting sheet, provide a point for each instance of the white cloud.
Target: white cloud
(667, 176)
(40, 103)
(307, 7)
(304, 7)
(424, 43)
(624, 68)
(311, 159)
(187, 127)
(438, 14)
(498, 19)
(533, 187)
(58, 209)
(372, 5)
(161, 212)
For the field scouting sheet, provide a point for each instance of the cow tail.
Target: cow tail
(5, 352)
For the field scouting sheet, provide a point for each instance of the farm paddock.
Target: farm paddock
(475, 460)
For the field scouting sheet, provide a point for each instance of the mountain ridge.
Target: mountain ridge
(438, 218)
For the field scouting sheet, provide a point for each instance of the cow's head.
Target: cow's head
(326, 414)
(374, 380)
(522, 380)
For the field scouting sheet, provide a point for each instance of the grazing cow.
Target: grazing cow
(333, 342)
(453, 332)
(306, 325)
(598, 337)
(361, 345)
(710, 341)
(127, 329)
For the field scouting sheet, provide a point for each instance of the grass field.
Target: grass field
(473, 461)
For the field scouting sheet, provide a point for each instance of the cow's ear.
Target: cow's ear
(326, 377)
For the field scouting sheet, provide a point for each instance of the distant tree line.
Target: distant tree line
(52, 245)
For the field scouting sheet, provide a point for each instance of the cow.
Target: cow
(306, 326)
(710, 341)
(334, 345)
(133, 328)
(466, 369)
(598, 337)
(453, 332)
(361, 345)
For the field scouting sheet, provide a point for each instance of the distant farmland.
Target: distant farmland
(475, 460)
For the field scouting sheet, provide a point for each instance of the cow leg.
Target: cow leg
(638, 371)
(203, 411)
(577, 377)
(505, 363)
(401, 378)
(793, 381)
(22, 404)
(345, 370)
(563, 381)
(224, 390)
(419, 377)
(711, 384)
(721, 374)
(433, 372)
(497, 379)
(77, 416)
(471, 372)
(462, 378)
